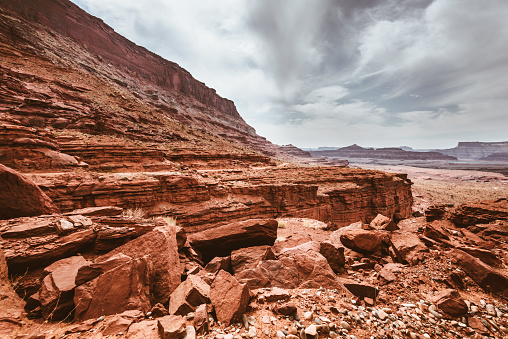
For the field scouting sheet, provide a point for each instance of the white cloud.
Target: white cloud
(321, 72)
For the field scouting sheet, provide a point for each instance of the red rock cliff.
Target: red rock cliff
(110, 55)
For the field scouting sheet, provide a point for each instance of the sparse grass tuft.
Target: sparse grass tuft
(282, 224)
(170, 220)
(134, 212)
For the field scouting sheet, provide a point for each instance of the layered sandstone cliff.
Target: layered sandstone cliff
(475, 150)
(209, 198)
(64, 69)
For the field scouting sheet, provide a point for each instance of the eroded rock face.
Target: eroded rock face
(297, 267)
(338, 196)
(57, 288)
(480, 213)
(484, 275)
(20, 197)
(229, 298)
(161, 247)
(189, 295)
(362, 241)
(450, 302)
(126, 287)
(222, 240)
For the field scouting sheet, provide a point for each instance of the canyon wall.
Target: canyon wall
(210, 198)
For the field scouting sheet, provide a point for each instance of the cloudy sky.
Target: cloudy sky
(421, 73)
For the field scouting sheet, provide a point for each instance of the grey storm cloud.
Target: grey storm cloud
(423, 73)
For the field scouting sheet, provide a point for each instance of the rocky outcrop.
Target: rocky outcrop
(229, 298)
(482, 212)
(126, 287)
(36, 241)
(338, 196)
(293, 150)
(484, 275)
(160, 247)
(475, 150)
(355, 151)
(21, 197)
(79, 74)
(221, 241)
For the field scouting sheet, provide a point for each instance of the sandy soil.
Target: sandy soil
(445, 186)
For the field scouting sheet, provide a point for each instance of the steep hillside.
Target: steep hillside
(64, 69)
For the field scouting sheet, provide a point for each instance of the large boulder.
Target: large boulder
(21, 197)
(488, 257)
(380, 222)
(171, 327)
(189, 295)
(407, 246)
(161, 245)
(229, 298)
(362, 241)
(450, 302)
(123, 288)
(249, 257)
(221, 241)
(93, 270)
(297, 267)
(57, 288)
(484, 275)
(482, 212)
(334, 255)
(11, 306)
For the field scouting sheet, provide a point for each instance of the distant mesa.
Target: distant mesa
(476, 150)
(499, 156)
(388, 153)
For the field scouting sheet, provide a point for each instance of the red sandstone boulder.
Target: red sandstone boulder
(484, 275)
(450, 302)
(220, 241)
(189, 295)
(20, 197)
(229, 298)
(171, 327)
(249, 257)
(360, 290)
(161, 245)
(335, 236)
(93, 270)
(380, 222)
(11, 306)
(362, 241)
(291, 241)
(201, 322)
(488, 257)
(126, 287)
(435, 232)
(287, 308)
(298, 267)
(334, 255)
(146, 329)
(482, 212)
(407, 246)
(57, 287)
